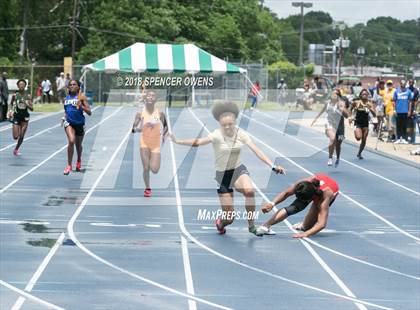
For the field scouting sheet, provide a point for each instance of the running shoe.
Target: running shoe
(262, 230)
(337, 161)
(219, 227)
(253, 230)
(359, 156)
(330, 162)
(16, 152)
(147, 192)
(78, 166)
(67, 170)
(403, 141)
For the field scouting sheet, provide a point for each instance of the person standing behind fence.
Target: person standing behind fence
(46, 90)
(254, 93)
(61, 87)
(413, 118)
(402, 98)
(389, 110)
(38, 94)
(4, 96)
(378, 99)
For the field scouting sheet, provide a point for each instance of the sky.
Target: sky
(354, 11)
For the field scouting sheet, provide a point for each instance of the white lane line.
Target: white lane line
(19, 302)
(6, 127)
(323, 151)
(53, 154)
(185, 256)
(342, 194)
(37, 134)
(324, 265)
(31, 297)
(192, 305)
(72, 235)
(30, 137)
(267, 273)
(320, 261)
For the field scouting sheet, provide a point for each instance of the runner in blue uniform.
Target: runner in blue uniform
(74, 123)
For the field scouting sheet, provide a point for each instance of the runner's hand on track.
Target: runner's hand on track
(299, 235)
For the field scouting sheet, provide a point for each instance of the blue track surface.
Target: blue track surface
(123, 251)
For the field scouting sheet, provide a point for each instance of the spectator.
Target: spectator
(4, 96)
(254, 93)
(414, 117)
(306, 99)
(46, 90)
(61, 88)
(378, 99)
(402, 98)
(282, 91)
(68, 78)
(38, 94)
(389, 110)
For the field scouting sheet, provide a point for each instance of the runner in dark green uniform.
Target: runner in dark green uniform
(19, 115)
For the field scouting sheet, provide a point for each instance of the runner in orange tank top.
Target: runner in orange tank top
(319, 189)
(153, 127)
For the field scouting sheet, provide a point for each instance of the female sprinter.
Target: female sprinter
(227, 143)
(319, 189)
(75, 104)
(362, 106)
(150, 122)
(334, 126)
(19, 115)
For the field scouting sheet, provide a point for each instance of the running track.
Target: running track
(91, 241)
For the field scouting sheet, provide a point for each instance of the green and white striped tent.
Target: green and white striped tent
(163, 58)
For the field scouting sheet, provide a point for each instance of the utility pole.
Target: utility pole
(341, 43)
(73, 32)
(301, 5)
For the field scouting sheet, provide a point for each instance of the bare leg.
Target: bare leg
(311, 217)
(145, 158)
(338, 148)
(155, 162)
(79, 147)
(278, 217)
(71, 141)
(226, 202)
(244, 185)
(23, 128)
(365, 132)
(16, 131)
(331, 135)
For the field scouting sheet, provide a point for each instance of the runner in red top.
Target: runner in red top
(319, 189)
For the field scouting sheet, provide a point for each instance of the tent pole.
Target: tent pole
(192, 92)
(83, 79)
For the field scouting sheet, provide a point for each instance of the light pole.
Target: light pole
(301, 5)
(361, 54)
(341, 43)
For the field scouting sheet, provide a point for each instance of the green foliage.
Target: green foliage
(238, 30)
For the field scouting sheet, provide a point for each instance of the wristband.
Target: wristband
(273, 167)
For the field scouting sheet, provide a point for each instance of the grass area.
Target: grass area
(47, 107)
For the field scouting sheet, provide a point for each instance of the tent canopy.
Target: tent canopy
(163, 58)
